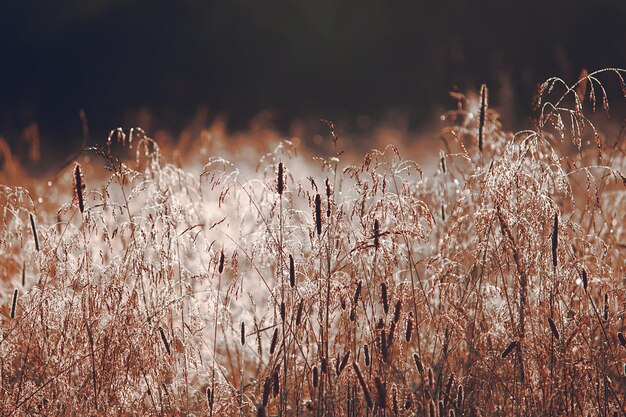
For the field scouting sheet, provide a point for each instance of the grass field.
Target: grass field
(182, 283)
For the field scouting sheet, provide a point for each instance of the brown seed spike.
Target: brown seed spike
(299, 314)
(292, 272)
(267, 388)
(606, 307)
(381, 398)
(509, 349)
(79, 187)
(553, 328)
(280, 179)
(366, 353)
(274, 341)
(396, 311)
(555, 239)
(409, 329)
(276, 383)
(220, 267)
(357, 292)
(622, 339)
(316, 377)
(481, 116)
(34, 227)
(243, 333)
(383, 290)
(318, 214)
(366, 392)
(418, 363)
(344, 362)
(165, 341)
(584, 277)
(376, 234)
(14, 304)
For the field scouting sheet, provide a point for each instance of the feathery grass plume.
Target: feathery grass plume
(481, 116)
(165, 341)
(509, 349)
(280, 179)
(276, 382)
(553, 328)
(274, 342)
(376, 234)
(14, 304)
(606, 307)
(555, 239)
(396, 311)
(366, 354)
(243, 333)
(459, 397)
(316, 376)
(381, 391)
(34, 228)
(584, 278)
(267, 389)
(292, 272)
(299, 313)
(318, 214)
(622, 339)
(344, 362)
(383, 297)
(357, 292)
(366, 391)
(418, 363)
(220, 267)
(79, 187)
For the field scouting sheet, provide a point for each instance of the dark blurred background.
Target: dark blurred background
(334, 59)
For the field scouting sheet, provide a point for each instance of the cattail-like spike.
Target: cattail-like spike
(509, 349)
(274, 342)
(344, 362)
(622, 339)
(260, 412)
(431, 378)
(383, 290)
(79, 187)
(14, 304)
(408, 404)
(243, 333)
(396, 311)
(23, 274)
(324, 365)
(449, 386)
(481, 116)
(383, 346)
(318, 214)
(442, 409)
(392, 330)
(165, 341)
(418, 363)
(210, 397)
(276, 382)
(220, 267)
(282, 311)
(432, 411)
(316, 377)
(584, 278)
(299, 313)
(606, 307)
(34, 227)
(329, 192)
(366, 354)
(555, 239)
(366, 391)
(459, 397)
(394, 401)
(376, 234)
(357, 293)
(267, 388)
(442, 160)
(553, 328)
(381, 398)
(292, 272)
(409, 328)
(280, 179)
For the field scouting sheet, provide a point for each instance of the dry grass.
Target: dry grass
(494, 287)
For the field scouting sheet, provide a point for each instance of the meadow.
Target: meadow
(146, 279)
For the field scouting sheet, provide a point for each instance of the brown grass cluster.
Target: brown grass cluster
(494, 287)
